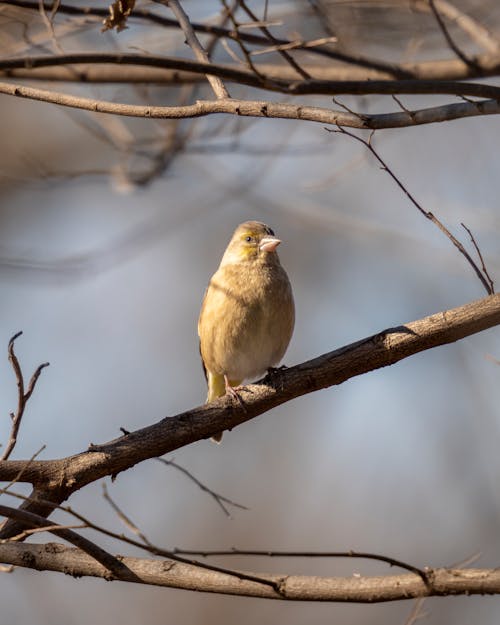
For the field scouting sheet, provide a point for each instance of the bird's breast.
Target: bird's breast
(246, 320)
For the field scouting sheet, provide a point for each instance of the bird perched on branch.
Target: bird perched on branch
(247, 316)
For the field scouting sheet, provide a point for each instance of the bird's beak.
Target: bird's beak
(269, 244)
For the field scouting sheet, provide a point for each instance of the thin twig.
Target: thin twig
(219, 499)
(449, 39)
(34, 520)
(483, 266)
(123, 517)
(22, 395)
(306, 554)
(417, 611)
(294, 45)
(258, 108)
(48, 21)
(37, 530)
(289, 59)
(149, 547)
(248, 59)
(428, 214)
(474, 29)
(193, 42)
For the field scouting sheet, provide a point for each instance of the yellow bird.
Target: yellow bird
(247, 316)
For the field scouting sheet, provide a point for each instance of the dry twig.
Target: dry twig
(481, 274)
(22, 395)
(195, 45)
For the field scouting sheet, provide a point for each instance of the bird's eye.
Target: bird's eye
(248, 239)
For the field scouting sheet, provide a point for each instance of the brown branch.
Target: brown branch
(266, 109)
(489, 65)
(56, 480)
(193, 42)
(250, 64)
(111, 563)
(371, 68)
(167, 573)
(22, 395)
(272, 553)
(42, 525)
(484, 278)
(281, 85)
(271, 38)
(390, 69)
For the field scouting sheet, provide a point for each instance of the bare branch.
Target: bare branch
(274, 83)
(272, 553)
(267, 33)
(483, 266)
(250, 64)
(112, 564)
(145, 544)
(461, 55)
(219, 499)
(252, 108)
(126, 520)
(476, 31)
(22, 395)
(193, 42)
(373, 68)
(484, 278)
(167, 573)
(56, 480)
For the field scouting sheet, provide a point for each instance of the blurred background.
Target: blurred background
(109, 231)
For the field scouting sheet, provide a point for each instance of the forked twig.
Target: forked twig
(22, 395)
(482, 275)
(265, 31)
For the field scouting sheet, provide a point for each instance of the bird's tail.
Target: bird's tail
(217, 388)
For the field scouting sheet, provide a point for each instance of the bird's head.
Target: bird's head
(252, 240)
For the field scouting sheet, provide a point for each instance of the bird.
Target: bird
(248, 312)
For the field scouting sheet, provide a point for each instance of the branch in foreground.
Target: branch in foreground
(373, 589)
(253, 108)
(56, 480)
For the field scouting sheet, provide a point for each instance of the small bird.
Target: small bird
(247, 316)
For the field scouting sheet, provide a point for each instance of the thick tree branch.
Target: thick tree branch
(278, 83)
(153, 69)
(253, 108)
(56, 480)
(362, 589)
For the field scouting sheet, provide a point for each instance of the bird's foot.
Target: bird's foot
(273, 370)
(232, 391)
